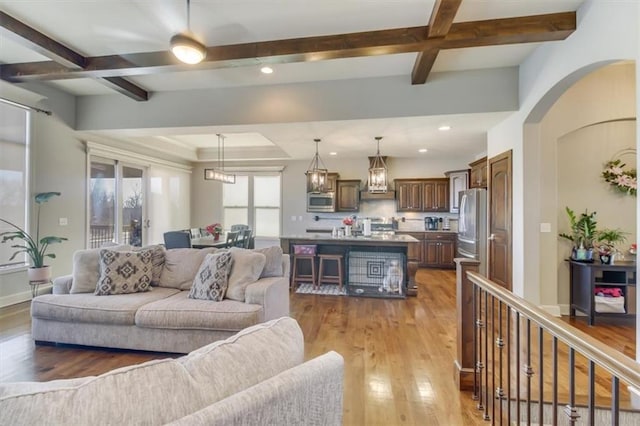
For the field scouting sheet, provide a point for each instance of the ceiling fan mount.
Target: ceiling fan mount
(185, 47)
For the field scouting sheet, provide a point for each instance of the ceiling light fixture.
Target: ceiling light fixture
(266, 70)
(316, 173)
(378, 172)
(219, 173)
(186, 48)
(444, 128)
(422, 150)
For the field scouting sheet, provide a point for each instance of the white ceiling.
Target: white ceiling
(103, 27)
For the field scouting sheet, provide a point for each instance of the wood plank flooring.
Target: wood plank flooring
(398, 353)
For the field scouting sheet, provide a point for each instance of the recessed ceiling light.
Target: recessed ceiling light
(333, 153)
(266, 70)
(444, 128)
(422, 150)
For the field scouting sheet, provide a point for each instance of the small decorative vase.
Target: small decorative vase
(216, 236)
(605, 259)
(347, 231)
(39, 274)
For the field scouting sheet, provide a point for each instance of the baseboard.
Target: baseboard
(14, 299)
(554, 310)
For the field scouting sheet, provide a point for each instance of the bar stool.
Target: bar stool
(333, 279)
(304, 253)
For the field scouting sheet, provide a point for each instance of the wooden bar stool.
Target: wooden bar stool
(304, 253)
(333, 279)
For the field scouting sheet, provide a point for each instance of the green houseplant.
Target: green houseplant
(34, 246)
(606, 241)
(583, 233)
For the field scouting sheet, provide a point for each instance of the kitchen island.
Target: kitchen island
(366, 260)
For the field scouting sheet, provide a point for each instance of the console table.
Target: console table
(585, 277)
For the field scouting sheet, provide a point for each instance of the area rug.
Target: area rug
(325, 290)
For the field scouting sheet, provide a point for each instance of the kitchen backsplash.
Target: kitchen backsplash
(371, 209)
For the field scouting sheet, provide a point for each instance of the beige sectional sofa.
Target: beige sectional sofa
(256, 377)
(164, 319)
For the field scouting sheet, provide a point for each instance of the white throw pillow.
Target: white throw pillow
(86, 269)
(181, 266)
(123, 272)
(246, 269)
(212, 278)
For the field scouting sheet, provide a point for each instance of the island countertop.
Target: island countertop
(375, 239)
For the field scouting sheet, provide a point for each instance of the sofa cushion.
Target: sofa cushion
(86, 269)
(160, 391)
(212, 278)
(123, 272)
(246, 269)
(157, 261)
(273, 263)
(181, 312)
(181, 266)
(87, 308)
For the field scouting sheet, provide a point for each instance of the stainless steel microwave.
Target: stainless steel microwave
(321, 202)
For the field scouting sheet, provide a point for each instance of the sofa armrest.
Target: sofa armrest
(62, 285)
(272, 293)
(308, 394)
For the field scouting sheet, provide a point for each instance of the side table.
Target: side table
(35, 285)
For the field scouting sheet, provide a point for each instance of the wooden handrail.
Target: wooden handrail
(611, 360)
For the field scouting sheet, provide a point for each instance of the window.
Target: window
(254, 200)
(14, 170)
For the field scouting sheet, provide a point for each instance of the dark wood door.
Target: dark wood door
(500, 220)
(441, 195)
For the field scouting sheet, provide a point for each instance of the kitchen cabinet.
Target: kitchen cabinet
(439, 250)
(409, 195)
(422, 195)
(478, 173)
(435, 195)
(348, 195)
(458, 182)
(414, 250)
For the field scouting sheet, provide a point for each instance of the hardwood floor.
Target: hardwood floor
(398, 353)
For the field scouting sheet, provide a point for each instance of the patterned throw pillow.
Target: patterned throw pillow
(212, 278)
(124, 272)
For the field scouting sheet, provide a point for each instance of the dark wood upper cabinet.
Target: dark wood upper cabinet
(422, 195)
(348, 195)
(478, 173)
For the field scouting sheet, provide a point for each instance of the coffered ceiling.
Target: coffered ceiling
(120, 48)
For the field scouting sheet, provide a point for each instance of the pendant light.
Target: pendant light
(316, 175)
(378, 172)
(186, 48)
(218, 173)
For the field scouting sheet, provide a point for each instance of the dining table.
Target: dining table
(208, 241)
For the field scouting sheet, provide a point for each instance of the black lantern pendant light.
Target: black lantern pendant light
(378, 175)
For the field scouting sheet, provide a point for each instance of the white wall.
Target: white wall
(607, 31)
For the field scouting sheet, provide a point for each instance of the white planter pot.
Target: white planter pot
(39, 274)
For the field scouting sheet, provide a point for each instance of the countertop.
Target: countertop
(378, 239)
(415, 231)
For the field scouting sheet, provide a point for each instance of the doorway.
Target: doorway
(117, 213)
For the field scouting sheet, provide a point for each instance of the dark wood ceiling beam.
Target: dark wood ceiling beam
(444, 11)
(40, 43)
(125, 87)
(62, 55)
(549, 27)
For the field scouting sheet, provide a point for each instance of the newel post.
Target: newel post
(463, 365)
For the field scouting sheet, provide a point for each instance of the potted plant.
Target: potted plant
(215, 230)
(34, 246)
(583, 232)
(605, 243)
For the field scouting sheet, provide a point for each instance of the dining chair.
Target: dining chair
(232, 238)
(195, 233)
(177, 239)
(245, 241)
(238, 227)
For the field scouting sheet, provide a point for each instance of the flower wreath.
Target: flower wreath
(623, 180)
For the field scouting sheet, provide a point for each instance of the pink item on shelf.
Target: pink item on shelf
(608, 291)
(304, 249)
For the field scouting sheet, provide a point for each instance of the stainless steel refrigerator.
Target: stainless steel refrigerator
(472, 226)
